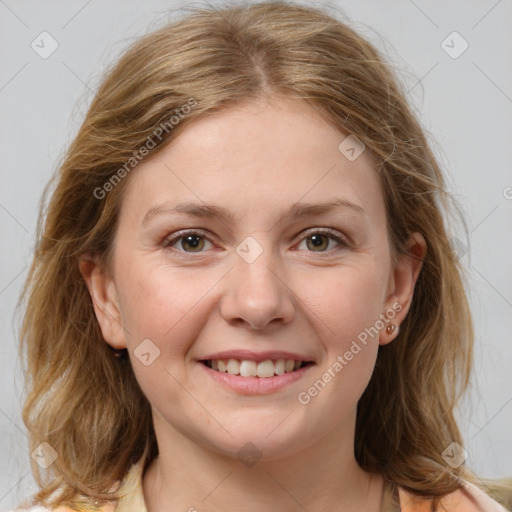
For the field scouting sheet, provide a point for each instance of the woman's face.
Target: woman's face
(253, 238)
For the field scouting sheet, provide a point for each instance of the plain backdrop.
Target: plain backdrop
(462, 95)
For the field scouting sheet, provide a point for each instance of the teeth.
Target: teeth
(289, 365)
(233, 367)
(279, 366)
(266, 369)
(249, 368)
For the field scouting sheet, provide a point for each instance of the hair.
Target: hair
(85, 402)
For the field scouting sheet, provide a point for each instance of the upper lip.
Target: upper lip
(249, 355)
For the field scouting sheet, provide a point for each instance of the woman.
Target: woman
(243, 295)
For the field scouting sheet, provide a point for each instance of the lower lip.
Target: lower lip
(256, 385)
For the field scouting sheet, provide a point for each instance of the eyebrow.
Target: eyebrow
(204, 210)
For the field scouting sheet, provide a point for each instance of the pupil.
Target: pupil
(318, 241)
(192, 241)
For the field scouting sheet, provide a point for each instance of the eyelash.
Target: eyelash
(331, 233)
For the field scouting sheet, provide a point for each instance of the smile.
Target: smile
(249, 368)
(271, 381)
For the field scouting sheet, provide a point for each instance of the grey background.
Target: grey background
(465, 103)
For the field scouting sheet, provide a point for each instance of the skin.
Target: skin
(255, 160)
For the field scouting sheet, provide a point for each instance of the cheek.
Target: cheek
(346, 308)
(164, 304)
(345, 303)
(169, 307)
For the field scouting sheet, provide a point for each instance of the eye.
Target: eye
(320, 240)
(191, 241)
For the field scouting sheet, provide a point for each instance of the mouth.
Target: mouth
(250, 368)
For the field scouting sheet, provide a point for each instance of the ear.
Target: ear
(105, 302)
(402, 282)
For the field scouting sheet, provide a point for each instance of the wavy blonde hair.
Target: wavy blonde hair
(85, 402)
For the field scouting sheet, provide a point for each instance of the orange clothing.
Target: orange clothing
(394, 499)
(468, 499)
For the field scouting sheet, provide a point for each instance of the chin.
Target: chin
(260, 438)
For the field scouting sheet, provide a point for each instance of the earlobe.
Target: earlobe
(390, 332)
(402, 284)
(104, 300)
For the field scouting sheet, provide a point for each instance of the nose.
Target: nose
(257, 294)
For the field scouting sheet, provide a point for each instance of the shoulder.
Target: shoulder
(467, 499)
(40, 508)
(35, 508)
(62, 508)
(112, 506)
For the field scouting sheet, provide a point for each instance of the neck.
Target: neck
(190, 477)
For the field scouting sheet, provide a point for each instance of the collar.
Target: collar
(132, 497)
(394, 499)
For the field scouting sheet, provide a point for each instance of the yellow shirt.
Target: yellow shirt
(394, 499)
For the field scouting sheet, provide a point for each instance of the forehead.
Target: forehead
(254, 158)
